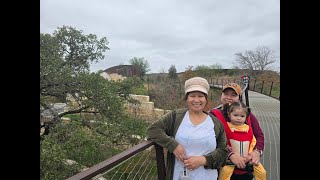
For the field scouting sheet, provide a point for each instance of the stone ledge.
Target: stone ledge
(141, 98)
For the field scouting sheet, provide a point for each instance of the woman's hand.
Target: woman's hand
(179, 152)
(237, 160)
(193, 162)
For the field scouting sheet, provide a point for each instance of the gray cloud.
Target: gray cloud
(170, 32)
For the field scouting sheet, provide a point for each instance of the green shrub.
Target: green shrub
(53, 162)
(76, 117)
(139, 90)
(71, 141)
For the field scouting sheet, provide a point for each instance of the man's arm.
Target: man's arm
(257, 133)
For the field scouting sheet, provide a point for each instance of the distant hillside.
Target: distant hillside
(224, 73)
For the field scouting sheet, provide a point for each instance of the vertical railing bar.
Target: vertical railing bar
(271, 88)
(160, 162)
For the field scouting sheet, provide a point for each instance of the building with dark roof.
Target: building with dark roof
(124, 70)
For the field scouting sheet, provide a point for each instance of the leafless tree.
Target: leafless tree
(258, 59)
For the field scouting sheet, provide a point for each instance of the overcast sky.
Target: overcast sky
(170, 32)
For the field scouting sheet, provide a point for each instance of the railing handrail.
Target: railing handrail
(111, 162)
(254, 81)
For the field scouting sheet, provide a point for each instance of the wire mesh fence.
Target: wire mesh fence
(142, 166)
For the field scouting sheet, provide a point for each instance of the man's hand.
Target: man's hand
(255, 157)
(237, 160)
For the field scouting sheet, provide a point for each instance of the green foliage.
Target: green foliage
(275, 92)
(131, 85)
(86, 146)
(100, 94)
(207, 71)
(82, 144)
(72, 141)
(201, 67)
(123, 129)
(75, 117)
(53, 162)
(142, 65)
(79, 49)
(203, 70)
(172, 72)
(216, 66)
(139, 90)
(65, 57)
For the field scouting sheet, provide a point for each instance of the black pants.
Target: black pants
(247, 176)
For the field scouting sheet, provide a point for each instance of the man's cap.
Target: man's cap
(233, 86)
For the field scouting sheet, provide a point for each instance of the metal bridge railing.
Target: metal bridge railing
(119, 158)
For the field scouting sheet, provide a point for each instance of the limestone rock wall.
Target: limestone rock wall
(144, 108)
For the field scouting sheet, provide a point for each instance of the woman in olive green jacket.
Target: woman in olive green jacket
(195, 140)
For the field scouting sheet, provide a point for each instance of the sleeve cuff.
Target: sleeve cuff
(172, 146)
(230, 154)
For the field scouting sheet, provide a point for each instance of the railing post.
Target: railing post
(160, 162)
(247, 95)
(270, 88)
(262, 87)
(148, 86)
(179, 88)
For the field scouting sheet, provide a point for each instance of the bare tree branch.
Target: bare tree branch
(259, 59)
